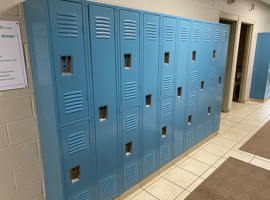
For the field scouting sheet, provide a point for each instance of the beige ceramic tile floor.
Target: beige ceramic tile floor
(236, 128)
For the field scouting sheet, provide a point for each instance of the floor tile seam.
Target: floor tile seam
(150, 194)
(196, 174)
(180, 194)
(263, 159)
(217, 154)
(151, 183)
(175, 183)
(204, 162)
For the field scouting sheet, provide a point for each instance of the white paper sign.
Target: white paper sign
(12, 66)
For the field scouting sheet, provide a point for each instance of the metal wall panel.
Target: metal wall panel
(70, 74)
(129, 56)
(150, 87)
(102, 31)
(168, 55)
(77, 161)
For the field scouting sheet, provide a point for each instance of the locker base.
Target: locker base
(164, 168)
(259, 100)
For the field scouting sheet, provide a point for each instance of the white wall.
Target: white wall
(20, 160)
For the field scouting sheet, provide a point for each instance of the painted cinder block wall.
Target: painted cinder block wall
(21, 174)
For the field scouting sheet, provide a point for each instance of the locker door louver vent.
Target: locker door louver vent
(169, 33)
(184, 33)
(179, 144)
(189, 139)
(149, 161)
(200, 133)
(211, 93)
(131, 122)
(167, 82)
(130, 29)
(73, 101)
(108, 185)
(226, 36)
(67, 26)
(207, 35)
(103, 27)
(131, 172)
(165, 152)
(216, 35)
(193, 77)
(197, 34)
(76, 142)
(130, 90)
(82, 196)
(213, 73)
(191, 101)
(166, 110)
(152, 31)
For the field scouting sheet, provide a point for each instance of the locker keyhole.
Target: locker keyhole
(209, 110)
(164, 132)
(166, 58)
(202, 85)
(148, 100)
(214, 54)
(103, 113)
(189, 119)
(194, 56)
(179, 92)
(128, 148)
(66, 65)
(127, 61)
(75, 174)
(219, 80)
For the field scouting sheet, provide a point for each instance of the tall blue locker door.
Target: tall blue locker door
(168, 55)
(166, 132)
(130, 146)
(218, 103)
(70, 73)
(191, 118)
(180, 89)
(195, 56)
(130, 56)
(213, 74)
(150, 92)
(77, 161)
(102, 34)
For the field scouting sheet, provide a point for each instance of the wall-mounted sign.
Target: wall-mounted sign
(12, 66)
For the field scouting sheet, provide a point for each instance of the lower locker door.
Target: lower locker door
(77, 161)
(130, 147)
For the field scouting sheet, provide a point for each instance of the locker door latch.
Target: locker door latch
(66, 65)
(75, 174)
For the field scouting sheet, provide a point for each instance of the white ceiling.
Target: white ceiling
(266, 1)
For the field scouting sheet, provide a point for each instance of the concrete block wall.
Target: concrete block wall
(21, 172)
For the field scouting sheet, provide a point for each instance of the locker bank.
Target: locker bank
(119, 92)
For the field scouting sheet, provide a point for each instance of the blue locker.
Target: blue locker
(77, 161)
(180, 89)
(102, 32)
(195, 56)
(191, 118)
(224, 44)
(130, 147)
(213, 74)
(129, 56)
(150, 92)
(168, 55)
(165, 132)
(70, 74)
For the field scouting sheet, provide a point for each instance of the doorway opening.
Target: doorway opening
(237, 60)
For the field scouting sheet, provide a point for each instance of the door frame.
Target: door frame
(232, 59)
